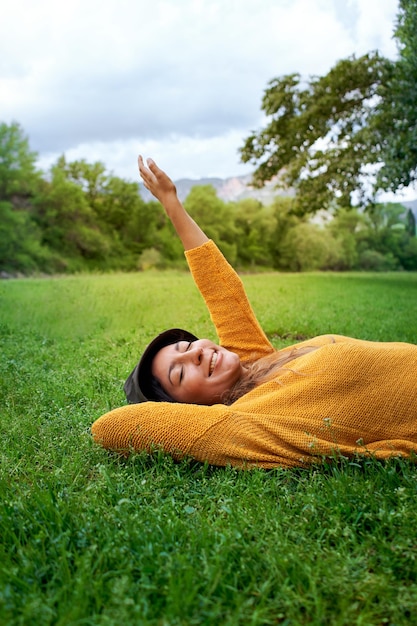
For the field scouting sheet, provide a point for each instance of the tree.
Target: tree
(91, 177)
(110, 207)
(18, 176)
(255, 224)
(215, 217)
(387, 235)
(410, 223)
(285, 219)
(352, 130)
(345, 227)
(308, 247)
(318, 138)
(396, 121)
(20, 242)
(20, 239)
(67, 221)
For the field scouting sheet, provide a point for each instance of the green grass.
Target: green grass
(87, 538)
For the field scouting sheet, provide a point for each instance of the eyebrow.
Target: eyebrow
(171, 367)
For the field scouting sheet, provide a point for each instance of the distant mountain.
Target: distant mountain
(239, 187)
(228, 189)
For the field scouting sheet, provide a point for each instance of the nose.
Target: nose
(193, 355)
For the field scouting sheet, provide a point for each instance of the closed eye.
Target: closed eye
(182, 367)
(187, 347)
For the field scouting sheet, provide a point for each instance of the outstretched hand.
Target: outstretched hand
(156, 181)
(161, 186)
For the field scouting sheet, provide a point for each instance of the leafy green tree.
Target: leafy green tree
(118, 210)
(68, 222)
(373, 261)
(285, 219)
(411, 223)
(117, 203)
(397, 113)
(255, 224)
(386, 234)
(21, 249)
(308, 247)
(18, 176)
(215, 217)
(130, 223)
(386, 217)
(20, 240)
(352, 130)
(344, 227)
(408, 254)
(317, 139)
(91, 177)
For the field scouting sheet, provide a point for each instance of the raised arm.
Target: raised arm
(222, 289)
(162, 187)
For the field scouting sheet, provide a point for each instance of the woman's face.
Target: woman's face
(197, 372)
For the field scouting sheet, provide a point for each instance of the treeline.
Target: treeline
(78, 217)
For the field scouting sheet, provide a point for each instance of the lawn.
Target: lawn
(88, 538)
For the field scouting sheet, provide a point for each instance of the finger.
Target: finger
(152, 166)
(144, 172)
(142, 166)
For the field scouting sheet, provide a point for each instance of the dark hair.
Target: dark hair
(158, 392)
(140, 385)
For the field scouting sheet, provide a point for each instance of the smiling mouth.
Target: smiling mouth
(213, 363)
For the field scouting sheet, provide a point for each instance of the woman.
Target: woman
(246, 404)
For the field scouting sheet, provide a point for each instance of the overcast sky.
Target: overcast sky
(179, 80)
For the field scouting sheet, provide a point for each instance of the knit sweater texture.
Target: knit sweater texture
(347, 397)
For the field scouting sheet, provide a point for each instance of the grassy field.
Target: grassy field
(87, 538)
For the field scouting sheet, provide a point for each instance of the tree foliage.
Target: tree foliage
(78, 217)
(397, 115)
(341, 137)
(18, 175)
(317, 137)
(215, 217)
(21, 247)
(255, 226)
(67, 218)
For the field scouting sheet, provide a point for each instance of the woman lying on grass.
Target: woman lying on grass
(244, 403)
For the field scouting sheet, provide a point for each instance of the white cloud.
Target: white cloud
(376, 26)
(182, 156)
(98, 79)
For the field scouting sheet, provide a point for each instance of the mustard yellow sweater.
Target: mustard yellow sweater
(348, 396)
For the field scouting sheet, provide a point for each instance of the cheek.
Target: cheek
(231, 365)
(234, 360)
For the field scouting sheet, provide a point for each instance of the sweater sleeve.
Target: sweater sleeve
(230, 311)
(173, 428)
(218, 434)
